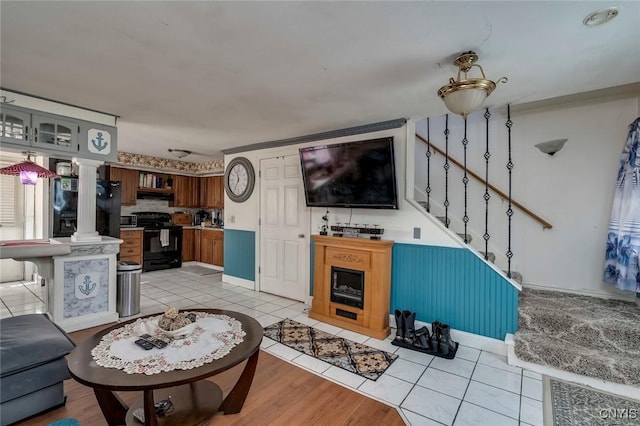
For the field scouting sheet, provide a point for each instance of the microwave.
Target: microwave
(130, 221)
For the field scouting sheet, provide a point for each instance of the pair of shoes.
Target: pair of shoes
(405, 326)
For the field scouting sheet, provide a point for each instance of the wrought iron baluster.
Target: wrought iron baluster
(486, 196)
(428, 189)
(509, 253)
(446, 171)
(465, 180)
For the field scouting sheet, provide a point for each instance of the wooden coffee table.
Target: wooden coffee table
(194, 398)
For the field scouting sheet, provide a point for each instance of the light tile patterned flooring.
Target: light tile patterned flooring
(476, 388)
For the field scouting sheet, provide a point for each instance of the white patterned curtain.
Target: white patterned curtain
(623, 241)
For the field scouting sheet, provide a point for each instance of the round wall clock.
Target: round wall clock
(239, 179)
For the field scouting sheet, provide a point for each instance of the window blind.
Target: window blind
(7, 197)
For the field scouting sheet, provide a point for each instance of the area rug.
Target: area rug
(567, 404)
(354, 357)
(199, 270)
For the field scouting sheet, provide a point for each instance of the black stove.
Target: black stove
(154, 220)
(162, 244)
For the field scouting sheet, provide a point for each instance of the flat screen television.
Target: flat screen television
(351, 175)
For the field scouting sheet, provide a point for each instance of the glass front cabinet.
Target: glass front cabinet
(54, 133)
(15, 126)
(22, 128)
(41, 131)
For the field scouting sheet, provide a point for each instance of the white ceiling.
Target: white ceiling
(206, 76)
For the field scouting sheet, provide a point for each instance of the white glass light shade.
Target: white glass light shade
(180, 153)
(28, 178)
(465, 101)
(551, 147)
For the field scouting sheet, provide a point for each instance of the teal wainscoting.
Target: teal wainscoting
(240, 254)
(453, 286)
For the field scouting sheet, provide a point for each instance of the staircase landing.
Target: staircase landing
(592, 337)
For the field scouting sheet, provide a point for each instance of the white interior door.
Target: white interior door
(284, 226)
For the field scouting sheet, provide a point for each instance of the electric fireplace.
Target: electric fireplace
(352, 284)
(347, 286)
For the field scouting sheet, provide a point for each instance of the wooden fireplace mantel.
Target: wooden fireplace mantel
(373, 257)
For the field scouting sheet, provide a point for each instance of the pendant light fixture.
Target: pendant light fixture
(180, 153)
(28, 171)
(462, 96)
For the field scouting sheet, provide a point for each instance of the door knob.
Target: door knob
(300, 235)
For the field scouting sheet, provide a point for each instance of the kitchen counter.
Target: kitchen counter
(128, 228)
(208, 228)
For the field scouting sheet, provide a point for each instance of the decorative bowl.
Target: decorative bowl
(179, 333)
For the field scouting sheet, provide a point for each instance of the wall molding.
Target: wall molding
(169, 165)
(332, 134)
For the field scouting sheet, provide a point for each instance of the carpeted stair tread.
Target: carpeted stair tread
(491, 257)
(582, 334)
(516, 276)
(598, 332)
(576, 358)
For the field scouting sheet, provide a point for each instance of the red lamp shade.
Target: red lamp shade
(28, 171)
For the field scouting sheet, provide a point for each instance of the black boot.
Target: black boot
(423, 339)
(436, 327)
(445, 344)
(409, 319)
(400, 328)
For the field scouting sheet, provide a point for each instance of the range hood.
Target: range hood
(154, 195)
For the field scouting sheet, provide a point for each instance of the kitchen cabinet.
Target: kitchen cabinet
(188, 244)
(131, 247)
(14, 126)
(128, 184)
(197, 246)
(41, 131)
(50, 132)
(185, 191)
(191, 245)
(212, 192)
(212, 247)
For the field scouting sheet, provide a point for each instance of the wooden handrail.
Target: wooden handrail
(544, 223)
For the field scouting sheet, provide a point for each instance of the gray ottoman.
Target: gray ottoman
(32, 366)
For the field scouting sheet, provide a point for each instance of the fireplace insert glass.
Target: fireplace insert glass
(347, 287)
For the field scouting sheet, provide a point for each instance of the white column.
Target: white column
(86, 225)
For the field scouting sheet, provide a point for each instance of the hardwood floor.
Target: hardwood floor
(281, 394)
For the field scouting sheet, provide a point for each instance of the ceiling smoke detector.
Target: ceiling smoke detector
(601, 16)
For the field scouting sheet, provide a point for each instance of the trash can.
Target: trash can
(128, 289)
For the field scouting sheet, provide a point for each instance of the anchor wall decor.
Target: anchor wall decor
(99, 141)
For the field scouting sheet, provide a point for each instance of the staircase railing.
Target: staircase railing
(525, 210)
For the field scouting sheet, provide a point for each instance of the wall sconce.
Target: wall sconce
(551, 147)
(180, 153)
(28, 171)
(468, 95)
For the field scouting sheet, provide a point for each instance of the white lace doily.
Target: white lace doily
(213, 338)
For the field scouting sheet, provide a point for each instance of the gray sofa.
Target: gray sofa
(32, 366)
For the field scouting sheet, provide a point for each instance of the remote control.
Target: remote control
(144, 344)
(155, 341)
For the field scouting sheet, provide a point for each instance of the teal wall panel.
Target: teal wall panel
(453, 286)
(240, 254)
